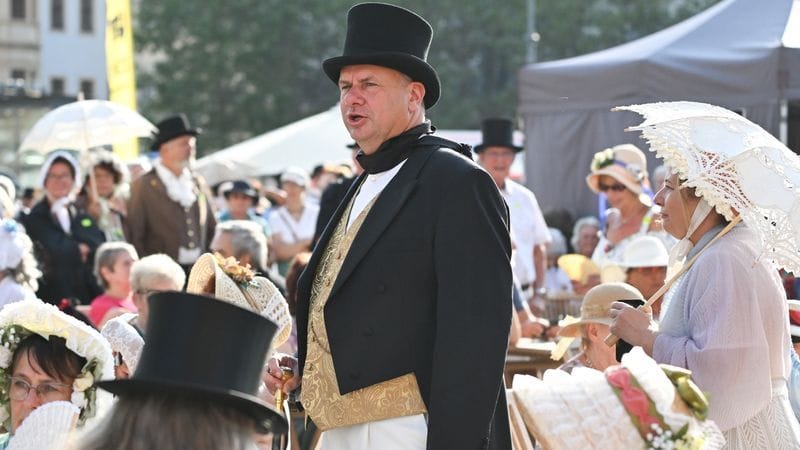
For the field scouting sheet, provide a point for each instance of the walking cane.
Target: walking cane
(281, 405)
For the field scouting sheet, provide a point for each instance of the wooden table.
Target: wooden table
(531, 357)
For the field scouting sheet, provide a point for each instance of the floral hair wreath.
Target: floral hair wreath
(607, 158)
(22, 319)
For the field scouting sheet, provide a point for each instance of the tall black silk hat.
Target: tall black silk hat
(204, 348)
(497, 132)
(389, 36)
(172, 127)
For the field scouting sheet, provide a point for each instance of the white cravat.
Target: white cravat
(370, 188)
(60, 210)
(180, 189)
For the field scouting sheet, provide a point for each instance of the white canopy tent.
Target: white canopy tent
(306, 143)
(741, 54)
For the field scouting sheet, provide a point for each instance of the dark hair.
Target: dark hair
(62, 160)
(171, 420)
(52, 355)
(298, 265)
(108, 166)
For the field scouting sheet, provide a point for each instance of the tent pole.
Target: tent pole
(783, 127)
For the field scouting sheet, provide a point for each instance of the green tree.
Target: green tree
(242, 67)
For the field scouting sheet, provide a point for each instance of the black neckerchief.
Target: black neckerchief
(394, 151)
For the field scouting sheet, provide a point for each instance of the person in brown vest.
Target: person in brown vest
(404, 309)
(170, 210)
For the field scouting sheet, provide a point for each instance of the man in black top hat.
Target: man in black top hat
(170, 207)
(528, 229)
(404, 309)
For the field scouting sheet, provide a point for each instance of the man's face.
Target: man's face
(179, 151)
(378, 103)
(647, 279)
(497, 161)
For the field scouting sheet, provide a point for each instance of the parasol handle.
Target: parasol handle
(612, 339)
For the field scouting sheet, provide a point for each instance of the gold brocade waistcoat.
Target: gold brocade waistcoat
(397, 397)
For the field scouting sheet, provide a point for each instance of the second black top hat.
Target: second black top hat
(206, 348)
(497, 132)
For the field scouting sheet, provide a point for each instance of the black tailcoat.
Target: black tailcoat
(426, 288)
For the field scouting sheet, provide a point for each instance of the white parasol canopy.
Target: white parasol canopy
(735, 165)
(84, 124)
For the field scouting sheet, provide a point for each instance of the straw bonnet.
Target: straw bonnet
(626, 164)
(597, 303)
(256, 294)
(578, 267)
(589, 409)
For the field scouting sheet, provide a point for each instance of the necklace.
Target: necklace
(587, 361)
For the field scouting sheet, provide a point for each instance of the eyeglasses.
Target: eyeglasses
(618, 187)
(46, 391)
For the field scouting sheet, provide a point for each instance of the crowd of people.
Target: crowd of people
(380, 296)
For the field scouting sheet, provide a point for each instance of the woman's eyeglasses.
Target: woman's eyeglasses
(48, 391)
(618, 187)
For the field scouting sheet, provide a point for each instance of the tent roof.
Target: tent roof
(310, 141)
(733, 49)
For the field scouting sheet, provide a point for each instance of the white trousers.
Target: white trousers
(400, 433)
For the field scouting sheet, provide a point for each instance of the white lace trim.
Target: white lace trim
(124, 339)
(735, 165)
(179, 189)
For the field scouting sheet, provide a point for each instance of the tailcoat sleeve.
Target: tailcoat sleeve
(473, 311)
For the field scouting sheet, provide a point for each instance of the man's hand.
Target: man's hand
(272, 376)
(85, 251)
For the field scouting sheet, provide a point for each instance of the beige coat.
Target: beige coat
(160, 225)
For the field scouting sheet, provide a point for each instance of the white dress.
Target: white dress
(726, 320)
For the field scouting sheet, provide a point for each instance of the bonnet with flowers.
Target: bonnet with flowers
(22, 319)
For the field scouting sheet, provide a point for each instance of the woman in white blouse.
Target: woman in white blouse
(726, 320)
(294, 223)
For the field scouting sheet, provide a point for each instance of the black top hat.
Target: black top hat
(172, 127)
(388, 36)
(497, 132)
(240, 186)
(205, 348)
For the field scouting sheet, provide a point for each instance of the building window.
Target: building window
(87, 87)
(18, 9)
(57, 14)
(57, 87)
(87, 18)
(17, 74)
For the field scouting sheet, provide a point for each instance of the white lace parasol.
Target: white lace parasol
(735, 165)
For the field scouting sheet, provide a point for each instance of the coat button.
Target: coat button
(367, 332)
(190, 233)
(381, 288)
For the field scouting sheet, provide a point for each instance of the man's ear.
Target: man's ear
(417, 93)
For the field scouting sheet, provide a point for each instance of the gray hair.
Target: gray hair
(579, 224)
(150, 269)
(247, 238)
(107, 255)
(170, 420)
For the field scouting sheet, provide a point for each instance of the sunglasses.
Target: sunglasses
(618, 187)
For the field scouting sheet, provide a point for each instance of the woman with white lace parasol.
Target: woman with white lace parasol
(730, 199)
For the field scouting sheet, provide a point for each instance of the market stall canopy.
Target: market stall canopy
(741, 54)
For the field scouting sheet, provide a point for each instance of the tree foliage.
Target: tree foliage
(243, 67)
